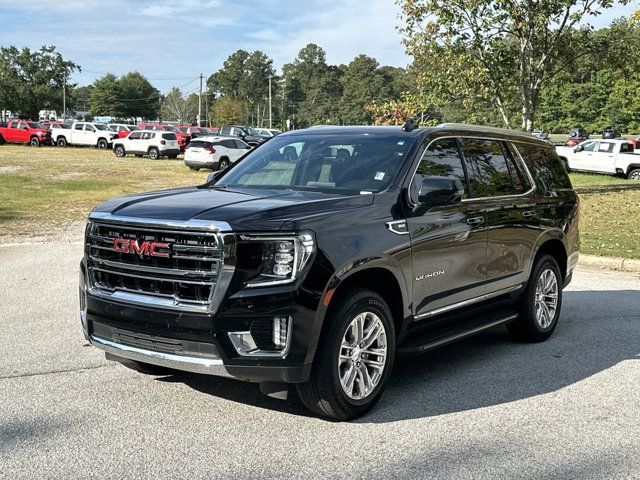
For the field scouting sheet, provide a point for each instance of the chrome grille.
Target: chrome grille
(185, 279)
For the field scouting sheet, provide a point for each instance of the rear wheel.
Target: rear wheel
(2, 142)
(224, 163)
(35, 142)
(355, 358)
(540, 303)
(103, 144)
(154, 154)
(634, 174)
(197, 169)
(119, 151)
(61, 142)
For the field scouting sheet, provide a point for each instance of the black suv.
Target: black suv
(248, 134)
(325, 253)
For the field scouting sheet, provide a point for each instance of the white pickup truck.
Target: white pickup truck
(84, 133)
(612, 157)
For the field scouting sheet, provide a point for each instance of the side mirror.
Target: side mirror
(579, 148)
(440, 191)
(248, 147)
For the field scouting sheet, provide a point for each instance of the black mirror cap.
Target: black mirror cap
(439, 191)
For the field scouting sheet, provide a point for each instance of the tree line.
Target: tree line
(512, 63)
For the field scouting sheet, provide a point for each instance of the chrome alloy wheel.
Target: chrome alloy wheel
(546, 298)
(363, 356)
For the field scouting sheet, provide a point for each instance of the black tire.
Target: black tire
(634, 174)
(61, 142)
(35, 142)
(2, 142)
(139, 155)
(528, 327)
(323, 394)
(154, 154)
(197, 169)
(102, 144)
(147, 368)
(173, 157)
(224, 163)
(119, 151)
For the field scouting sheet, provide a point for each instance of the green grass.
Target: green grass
(42, 189)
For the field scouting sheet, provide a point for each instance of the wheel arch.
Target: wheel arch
(556, 248)
(379, 277)
(631, 167)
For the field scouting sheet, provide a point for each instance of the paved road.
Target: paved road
(487, 407)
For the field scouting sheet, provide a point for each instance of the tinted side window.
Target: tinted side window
(545, 166)
(169, 136)
(442, 159)
(225, 130)
(626, 148)
(79, 126)
(487, 164)
(228, 143)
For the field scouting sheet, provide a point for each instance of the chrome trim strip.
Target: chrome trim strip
(160, 270)
(207, 366)
(464, 303)
(157, 279)
(189, 225)
(148, 300)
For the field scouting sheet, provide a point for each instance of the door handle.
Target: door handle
(475, 220)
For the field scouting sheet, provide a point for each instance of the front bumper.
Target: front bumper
(194, 342)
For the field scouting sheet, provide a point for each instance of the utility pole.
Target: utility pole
(270, 118)
(200, 103)
(64, 97)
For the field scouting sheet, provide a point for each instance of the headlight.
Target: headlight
(281, 258)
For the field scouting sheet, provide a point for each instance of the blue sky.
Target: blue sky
(172, 41)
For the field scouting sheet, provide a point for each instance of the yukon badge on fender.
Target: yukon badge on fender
(320, 255)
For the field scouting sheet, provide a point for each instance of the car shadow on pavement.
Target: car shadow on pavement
(597, 330)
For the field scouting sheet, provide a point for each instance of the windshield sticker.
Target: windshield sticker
(379, 176)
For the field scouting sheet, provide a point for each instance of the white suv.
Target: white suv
(156, 144)
(216, 153)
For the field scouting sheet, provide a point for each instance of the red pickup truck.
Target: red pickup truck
(24, 131)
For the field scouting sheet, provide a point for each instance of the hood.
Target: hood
(243, 209)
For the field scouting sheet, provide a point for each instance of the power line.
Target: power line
(150, 78)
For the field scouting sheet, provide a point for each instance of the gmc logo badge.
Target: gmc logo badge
(149, 249)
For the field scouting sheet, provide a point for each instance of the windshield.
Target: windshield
(360, 163)
(34, 125)
(100, 126)
(170, 128)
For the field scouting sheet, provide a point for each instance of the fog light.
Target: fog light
(281, 332)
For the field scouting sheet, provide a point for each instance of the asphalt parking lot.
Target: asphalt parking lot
(484, 408)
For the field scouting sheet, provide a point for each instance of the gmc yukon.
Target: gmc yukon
(325, 253)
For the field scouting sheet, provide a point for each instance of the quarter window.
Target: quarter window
(545, 166)
(488, 165)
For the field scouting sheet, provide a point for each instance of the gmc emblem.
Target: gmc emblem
(149, 249)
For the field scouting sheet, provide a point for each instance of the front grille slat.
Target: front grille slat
(188, 276)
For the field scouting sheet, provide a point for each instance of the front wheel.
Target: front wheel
(540, 303)
(634, 174)
(61, 142)
(154, 154)
(355, 358)
(103, 144)
(119, 151)
(35, 142)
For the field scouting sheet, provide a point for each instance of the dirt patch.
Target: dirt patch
(10, 169)
(68, 176)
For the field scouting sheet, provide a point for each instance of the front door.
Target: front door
(581, 160)
(603, 159)
(449, 243)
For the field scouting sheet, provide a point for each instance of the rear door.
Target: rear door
(499, 176)
(449, 243)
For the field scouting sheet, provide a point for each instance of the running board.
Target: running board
(451, 333)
